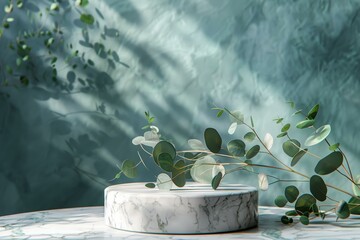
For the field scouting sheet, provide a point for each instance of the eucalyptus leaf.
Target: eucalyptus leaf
(237, 116)
(129, 169)
(216, 181)
(291, 147)
(286, 127)
(291, 193)
(298, 156)
(213, 140)
(291, 213)
(164, 182)
(342, 210)
(318, 188)
(329, 163)
(138, 140)
(285, 220)
(263, 181)
(318, 136)
(220, 113)
(281, 135)
(248, 168)
(334, 146)
(165, 161)
(297, 112)
(354, 206)
(356, 188)
(305, 124)
(163, 147)
(196, 144)
(8, 8)
(280, 201)
(252, 121)
(54, 7)
(278, 120)
(304, 220)
(87, 19)
(236, 148)
(250, 136)
(304, 203)
(232, 128)
(178, 173)
(268, 141)
(216, 169)
(252, 152)
(150, 185)
(202, 170)
(82, 3)
(313, 112)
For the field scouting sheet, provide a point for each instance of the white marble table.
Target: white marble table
(88, 223)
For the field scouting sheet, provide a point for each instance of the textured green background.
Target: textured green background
(59, 147)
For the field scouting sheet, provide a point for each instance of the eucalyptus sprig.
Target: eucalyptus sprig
(204, 162)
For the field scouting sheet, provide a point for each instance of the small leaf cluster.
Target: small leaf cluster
(24, 47)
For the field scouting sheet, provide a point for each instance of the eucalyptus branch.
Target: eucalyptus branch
(208, 162)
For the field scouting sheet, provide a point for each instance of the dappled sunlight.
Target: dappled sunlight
(176, 59)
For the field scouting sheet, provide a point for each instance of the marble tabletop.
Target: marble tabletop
(88, 223)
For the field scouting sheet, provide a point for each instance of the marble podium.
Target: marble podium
(193, 209)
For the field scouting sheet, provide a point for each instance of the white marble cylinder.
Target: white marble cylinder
(193, 209)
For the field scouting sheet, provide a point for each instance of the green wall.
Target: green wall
(60, 143)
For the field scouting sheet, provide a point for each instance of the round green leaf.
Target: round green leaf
(305, 124)
(248, 168)
(285, 220)
(313, 112)
(250, 136)
(213, 140)
(129, 169)
(237, 117)
(150, 185)
(342, 210)
(165, 161)
(253, 152)
(304, 220)
(356, 188)
(236, 148)
(334, 146)
(216, 180)
(291, 147)
(164, 182)
(285, 128)
(318, 136)
(291, 193)
(87, 19)
(178, 173)
(291, 213)
(298, 156)
(202, 170)
(304, 203)
(280, 201)
(163, 147)
(354, 205)
(329, 163)
(281, 135)
(318, 188)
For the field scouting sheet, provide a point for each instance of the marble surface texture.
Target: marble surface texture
(195, 208)
(88, 223)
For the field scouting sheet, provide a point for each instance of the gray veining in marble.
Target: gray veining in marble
(196, 208)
